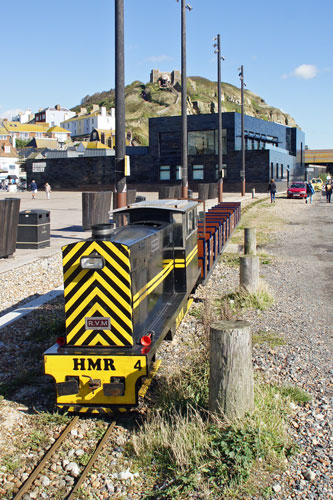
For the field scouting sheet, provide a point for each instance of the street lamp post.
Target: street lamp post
(217, 51)
(241, 76)
(184, 161)
(120, 146)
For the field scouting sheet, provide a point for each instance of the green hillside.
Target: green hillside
(147, 100)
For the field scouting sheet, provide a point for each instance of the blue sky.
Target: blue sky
(58, 52)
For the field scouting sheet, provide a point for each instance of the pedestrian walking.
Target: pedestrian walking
(309, 192)
(34, 188)
(328, 189)
(47, 190)
(272, 189)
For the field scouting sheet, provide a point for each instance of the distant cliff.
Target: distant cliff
(147, 100)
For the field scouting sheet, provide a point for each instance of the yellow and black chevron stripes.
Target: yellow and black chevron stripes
(168, 266)
(98, 293)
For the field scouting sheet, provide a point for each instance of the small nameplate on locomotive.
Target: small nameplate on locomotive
(98, 323)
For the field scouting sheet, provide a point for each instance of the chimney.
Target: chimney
(58, 107)
(103, 111)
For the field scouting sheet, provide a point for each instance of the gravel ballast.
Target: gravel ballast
(299, 276)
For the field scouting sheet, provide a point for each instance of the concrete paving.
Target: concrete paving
(66, 221)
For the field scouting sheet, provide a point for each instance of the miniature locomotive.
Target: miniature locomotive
(126, 289)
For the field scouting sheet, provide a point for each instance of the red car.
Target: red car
(297, 190)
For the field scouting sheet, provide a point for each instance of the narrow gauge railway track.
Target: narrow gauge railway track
(71, 495)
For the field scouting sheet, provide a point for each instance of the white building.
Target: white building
(84, 123)
(9, 165)
(53, 116)
(23, 116)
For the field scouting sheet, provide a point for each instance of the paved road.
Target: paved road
(66, 221)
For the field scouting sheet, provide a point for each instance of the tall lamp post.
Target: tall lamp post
(217, 51)
(184, 6)
(241, 76)
(120, 186)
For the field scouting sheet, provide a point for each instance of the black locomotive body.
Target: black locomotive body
(126, 290)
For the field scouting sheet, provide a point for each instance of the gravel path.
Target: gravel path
(300, 278)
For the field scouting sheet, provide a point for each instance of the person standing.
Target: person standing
(33, 187)
(272, 190)
(47, 190)
(309, 192)
(328, 189)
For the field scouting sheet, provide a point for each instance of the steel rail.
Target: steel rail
(91, 461)
(26, 485)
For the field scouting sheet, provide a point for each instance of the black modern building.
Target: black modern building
(272, 151)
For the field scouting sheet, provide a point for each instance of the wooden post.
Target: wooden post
(231, 370)
(95, 208)
(250, 246)
(249, 272)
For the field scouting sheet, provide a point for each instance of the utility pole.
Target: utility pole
(184, 158)
(241, 76)
(217, 51)
(120, 185)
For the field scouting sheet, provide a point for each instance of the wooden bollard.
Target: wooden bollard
(249, 272)
(250, 245)
(231, 370)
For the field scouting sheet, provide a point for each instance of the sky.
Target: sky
(59, 52)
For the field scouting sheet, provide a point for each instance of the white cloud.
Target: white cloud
(161, 58)
(9, 113)
(304, 71)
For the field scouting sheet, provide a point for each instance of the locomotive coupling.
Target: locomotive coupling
(93, 383)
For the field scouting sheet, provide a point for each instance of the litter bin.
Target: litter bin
(9, 217)
(33, 229)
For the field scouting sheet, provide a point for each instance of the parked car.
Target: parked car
(317, 183)
(297, 190)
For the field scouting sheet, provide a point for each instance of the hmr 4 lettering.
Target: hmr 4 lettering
(90, 364)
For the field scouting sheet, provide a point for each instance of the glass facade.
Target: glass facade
(205, 142)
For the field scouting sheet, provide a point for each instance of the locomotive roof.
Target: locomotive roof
(171, 205)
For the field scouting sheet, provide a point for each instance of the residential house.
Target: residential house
(8, 161)
(59, 133)
(24, 116)
(82, 125)
(25, 131)
(53, 115)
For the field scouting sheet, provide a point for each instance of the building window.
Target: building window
(165, 173)
(277, 171)
(282, 173)
(178, 172)
(202, 142)
(272, 171)
(7, 149)
(198, 172)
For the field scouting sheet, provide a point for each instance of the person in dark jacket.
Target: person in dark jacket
(33, 187)
(272, 190)
(328, 189)
(309, 192)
